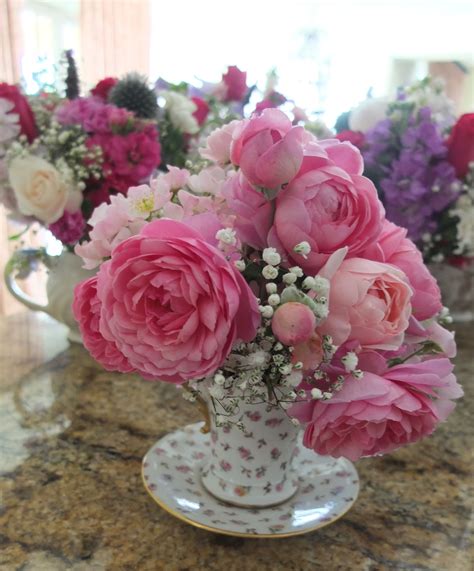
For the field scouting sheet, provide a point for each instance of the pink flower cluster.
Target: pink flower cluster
(130, 147)
(290, 219)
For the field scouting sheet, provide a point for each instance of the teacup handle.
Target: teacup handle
(21, 264)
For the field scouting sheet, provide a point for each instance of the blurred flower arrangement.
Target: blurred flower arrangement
(421, 162)
(60, 157)
(268, 273)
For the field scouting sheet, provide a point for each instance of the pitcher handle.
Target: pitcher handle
(20, 265)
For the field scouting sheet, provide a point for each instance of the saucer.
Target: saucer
(171, 474)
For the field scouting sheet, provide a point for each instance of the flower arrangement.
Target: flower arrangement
(412, 154)
(62, 157)
(268, 273)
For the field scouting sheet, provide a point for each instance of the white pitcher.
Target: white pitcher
(65, 271)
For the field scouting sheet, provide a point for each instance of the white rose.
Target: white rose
(181, 109)
(39, 189)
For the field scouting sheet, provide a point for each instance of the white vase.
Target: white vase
(65, 271)
(251, 465)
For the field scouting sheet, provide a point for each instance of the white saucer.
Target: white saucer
(171, 474)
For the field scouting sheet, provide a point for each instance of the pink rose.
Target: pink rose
(328, 208)
(393, 247)
(268, 149)
(293, 323)
(218, 143)
(252, 210)
(369, 302)
(388, 408)
(173, 304)
(235, 82)
(86, 308)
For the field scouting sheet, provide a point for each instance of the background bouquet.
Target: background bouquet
(269, 273)
(419, 161)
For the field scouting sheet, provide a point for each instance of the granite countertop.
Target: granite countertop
(72, 440)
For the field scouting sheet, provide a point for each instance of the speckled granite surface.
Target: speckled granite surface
(72, 439)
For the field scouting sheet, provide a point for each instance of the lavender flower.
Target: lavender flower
(407, 159)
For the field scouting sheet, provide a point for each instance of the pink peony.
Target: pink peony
(393, 247)
(328, 208)
(235, 82)
(268, 149)
(173, 304)
(253, 212)
(388, 408)
(293, 323)
(86, 308)
(218, 144)
(369, 302)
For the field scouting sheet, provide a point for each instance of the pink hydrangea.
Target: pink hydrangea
(268, 149)
(173, 304)
(393, 247)
(93, 115)
(386, 409)
(369, 302)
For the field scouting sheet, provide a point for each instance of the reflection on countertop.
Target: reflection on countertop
(71, 441)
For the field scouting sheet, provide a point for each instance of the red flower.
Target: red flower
(102, 89)
(355, 137)
(461, 144)
(22, 108)
(236, 83)
(202, 110)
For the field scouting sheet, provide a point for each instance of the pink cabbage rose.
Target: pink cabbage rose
(369, 302)
(293, 323)
(329, 209)
(173, 304)
(268, 149)
(86, 308)
(388, 408)
(393, 247)
(252, 210)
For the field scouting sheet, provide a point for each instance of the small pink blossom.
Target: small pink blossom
(218, 144)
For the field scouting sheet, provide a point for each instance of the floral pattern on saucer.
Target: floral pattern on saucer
(171, 473)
